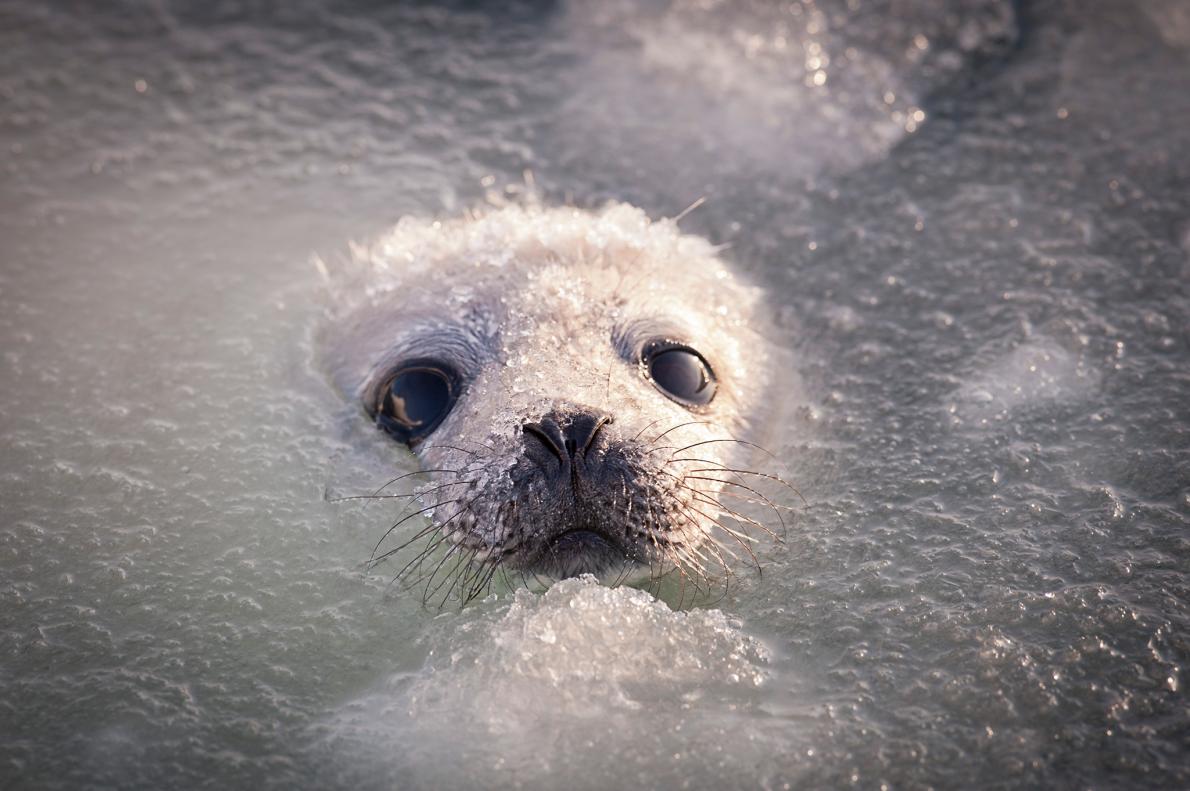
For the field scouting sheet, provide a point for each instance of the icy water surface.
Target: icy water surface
(973, 216)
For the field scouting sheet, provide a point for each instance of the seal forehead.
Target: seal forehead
(518, 243)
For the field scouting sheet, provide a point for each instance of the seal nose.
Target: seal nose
(560, 439)
(580, 433)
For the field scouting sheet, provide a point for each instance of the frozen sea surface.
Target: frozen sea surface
(974, 217)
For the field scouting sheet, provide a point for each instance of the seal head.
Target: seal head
(575, 384)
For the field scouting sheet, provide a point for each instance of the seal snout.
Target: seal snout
(570, 465)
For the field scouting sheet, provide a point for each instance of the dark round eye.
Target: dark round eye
(415, 402)
(682, 374)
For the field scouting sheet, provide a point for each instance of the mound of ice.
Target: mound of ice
(579, 671)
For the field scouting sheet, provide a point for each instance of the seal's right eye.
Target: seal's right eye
(415, 401)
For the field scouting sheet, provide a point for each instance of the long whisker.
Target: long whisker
(461, 568)
(753, 500)
(457, 552)
(728, 439)
(776, 508)
(776, 478)
(410, 474)
(423, 448)
(429, 492)
(485, 584)
(431, 528)
(626, 568)
(404, 519)
(736, 515)
(732, 514)
(720, 467)
(646, 428)
(714, 547)
(397, 496)
(709, 582)
(680, 425)
(471, 583)
(416, 561)
(700, 200)
(734, 534)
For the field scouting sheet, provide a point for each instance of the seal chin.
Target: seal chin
(581, 551)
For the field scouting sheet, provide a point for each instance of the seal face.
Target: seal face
(574, 384)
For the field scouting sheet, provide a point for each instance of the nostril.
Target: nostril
(548, 435)
(582, 431)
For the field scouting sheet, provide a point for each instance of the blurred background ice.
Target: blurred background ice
(974, 216)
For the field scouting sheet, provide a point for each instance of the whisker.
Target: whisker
(404, 519)
(626, 567)
(397, 496)
(760, 448)
(754, 500)
(504, 576)
(718, 549)
(733, 514)
(423, 448)
(682, 214)
(682, 484)
(711, 581)
(776, 478)
(462, 568)
(680, 425)
(419, 558)
(715, 547)
(646, 428)
(408, 474)
(485, 584)
(375, 561)
(734, 534)
(370, 497)
(431, 491)
(469, 582)
(478, 582)
(727, 439)
(456, 551)
(774, 506)
(689, 561)
(439, 528)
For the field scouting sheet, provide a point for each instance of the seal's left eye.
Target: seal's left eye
(415, 402)
(682, 374)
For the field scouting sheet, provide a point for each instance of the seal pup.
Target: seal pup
(577, 386)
